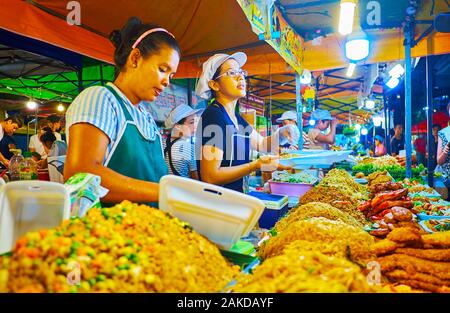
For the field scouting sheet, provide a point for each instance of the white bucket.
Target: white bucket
(30, 206)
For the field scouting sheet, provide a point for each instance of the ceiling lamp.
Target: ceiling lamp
(357, 47)
(358, 127)
(370, 104)
(60, 108)
(346, 17)
(377, 120)
(312, 122)
(364, 131)
(305, 79)
(32, 105)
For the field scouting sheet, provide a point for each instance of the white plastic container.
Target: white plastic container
(220, 214)
(30, 206)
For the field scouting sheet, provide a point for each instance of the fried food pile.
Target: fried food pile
(127, 248)
(422, 261)
(380, 161)
(305, 271)
(339, 190)
(389, 206)
(316, 209)
(331, 237)
(377, 178)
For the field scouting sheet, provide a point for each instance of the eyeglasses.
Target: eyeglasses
(234, 73)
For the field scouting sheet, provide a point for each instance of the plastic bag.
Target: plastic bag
(85, 193)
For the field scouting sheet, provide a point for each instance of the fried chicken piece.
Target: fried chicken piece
(406, 235)
(427, 254)
(424, 286)
(412, 264)
(386, 246)
(440, 240)
(401, 275)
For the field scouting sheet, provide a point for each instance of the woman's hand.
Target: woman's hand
(270, 163)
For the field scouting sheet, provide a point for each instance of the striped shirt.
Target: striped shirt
(183, 157)
(98, 106)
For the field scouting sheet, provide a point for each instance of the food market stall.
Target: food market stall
(338, 229)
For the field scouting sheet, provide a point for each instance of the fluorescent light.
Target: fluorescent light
(357, 49)
(397, 71)
(346, 16)
(358, 127)
(392, 82)
(60, 108)
(312, 122)
(370, 104)
(32, 105)
(364, 131)
(377, 120)
(350, 69)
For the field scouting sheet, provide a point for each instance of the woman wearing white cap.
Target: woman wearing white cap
(179, 150)
(110, 132)
(290, 118)
(224, 139)
(322, 120)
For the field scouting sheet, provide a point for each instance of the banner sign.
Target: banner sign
(252, 102)
(274, 30)
(171, 97)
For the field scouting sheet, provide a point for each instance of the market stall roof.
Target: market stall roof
(205, 27)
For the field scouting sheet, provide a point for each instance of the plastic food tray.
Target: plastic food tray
(220, 214)
(315, 158)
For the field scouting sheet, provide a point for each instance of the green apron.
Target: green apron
(134, 156)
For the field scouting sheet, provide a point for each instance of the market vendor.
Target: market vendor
(322, 121)
(223, 138)
(179, 148)
(290, 118)
(110, 133)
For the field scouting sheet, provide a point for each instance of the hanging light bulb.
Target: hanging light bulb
(32, 104)
(358, 127)
(377, 120)
(60, 107)
(357, 46)
(312, 122)
(357, 139)
(364, 131)
(350, 69)
(346, 16)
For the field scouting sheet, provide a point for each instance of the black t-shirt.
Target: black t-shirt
(7, 143)
(215, 128)
(397, 145)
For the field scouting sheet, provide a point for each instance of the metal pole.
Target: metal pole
(299, 106)
(386, 124)
(408, 145)
(101, 75)
(430, 138)
(80, 80)
(189, 92)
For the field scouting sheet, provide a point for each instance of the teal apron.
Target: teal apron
(134, 156)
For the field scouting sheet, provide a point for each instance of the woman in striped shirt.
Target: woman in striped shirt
(179, 150)
(110, 134)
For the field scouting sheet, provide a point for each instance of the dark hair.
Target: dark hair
(436, 125)
(181, 122)
(36, 155)
(14, 120)
(396, 125)
(124, 39)
(54, 118)
(48, 136)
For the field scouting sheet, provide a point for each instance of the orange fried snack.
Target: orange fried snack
(412, 264)
(440, 240)
(402, 275)
(406, 235)
(424, 286)
(427, 254)
(386, 246)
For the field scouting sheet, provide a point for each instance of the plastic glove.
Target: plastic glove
(289, 134)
